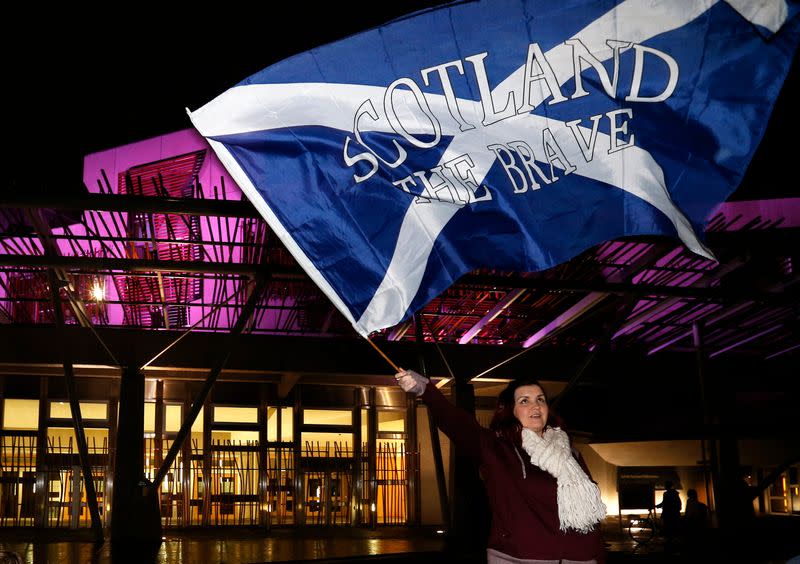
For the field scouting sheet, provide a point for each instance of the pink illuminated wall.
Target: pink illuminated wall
(119, 159)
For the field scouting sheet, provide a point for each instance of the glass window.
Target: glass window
(197, 426)
(272, 423)
(149, 417)
(197, 434)
(20, 414)
(287, 424)
(173, 418)
(62, 440)
(61, 410)
(327, 444)
(327, 417)
(234, 437)
(391, 421)
(235, 414)
(364, 425)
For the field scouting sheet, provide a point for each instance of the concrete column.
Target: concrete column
(263, 460)
(135, 506)
(372, 455)
(208, 419)
(413, 501)
(356, 511)
(299, 488)
(186, 460)
(42, 480)
(469, 506)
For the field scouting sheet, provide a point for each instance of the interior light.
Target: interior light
(98, 292)
(372, 507)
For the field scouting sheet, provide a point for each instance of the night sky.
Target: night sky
(72, 88)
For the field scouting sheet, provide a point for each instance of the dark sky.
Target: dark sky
(72, 88)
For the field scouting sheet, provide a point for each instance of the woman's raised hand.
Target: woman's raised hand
(412, 382)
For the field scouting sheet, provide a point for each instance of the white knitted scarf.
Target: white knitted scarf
(579, 503)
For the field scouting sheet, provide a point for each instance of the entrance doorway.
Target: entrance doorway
(328, 499)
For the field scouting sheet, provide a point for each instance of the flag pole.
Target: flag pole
(380, 352)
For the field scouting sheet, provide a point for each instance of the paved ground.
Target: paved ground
(771, 541)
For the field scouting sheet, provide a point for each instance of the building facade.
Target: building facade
(313, 442)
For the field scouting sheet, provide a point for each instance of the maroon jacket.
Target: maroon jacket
(522, 496)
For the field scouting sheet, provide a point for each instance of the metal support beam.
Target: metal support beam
(134, 204)
(264, 509)
(399, 331)
(565, 319)
(499, 308)
(186, 456)
(436, 447)
(52, 251)
(113, 412)
(413, 499)
(469, 280)
(356, 512)
(143, 265)
(299, 493)
(42, 481)
(208, 420)
(372, 456)
(158, 438)
(746, 340)
(233, 337)
(77, 420)
(784, 212)
(700, 286)
(707, 321)
(590, 301)
(709, 442)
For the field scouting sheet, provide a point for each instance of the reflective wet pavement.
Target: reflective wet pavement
(771, 542)
(234, 548)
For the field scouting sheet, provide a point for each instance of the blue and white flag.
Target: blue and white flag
(511, 134)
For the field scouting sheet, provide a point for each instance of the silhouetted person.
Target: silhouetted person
(696, 515)
(740, 514)
(695, 521)
(670, 512)
(737, 517)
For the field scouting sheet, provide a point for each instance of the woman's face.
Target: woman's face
(530, 407)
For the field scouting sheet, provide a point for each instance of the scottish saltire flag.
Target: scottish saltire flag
(511, 134)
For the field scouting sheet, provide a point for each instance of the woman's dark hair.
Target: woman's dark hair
(504, 423)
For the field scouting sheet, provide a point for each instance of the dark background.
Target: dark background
(79, 81)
